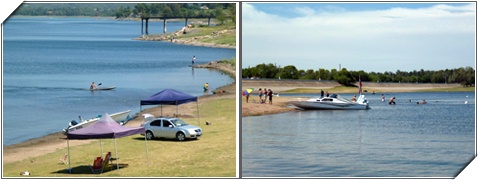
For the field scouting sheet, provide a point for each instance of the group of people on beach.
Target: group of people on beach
(263, 94)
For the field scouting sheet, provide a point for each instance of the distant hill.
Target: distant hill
(70, 9)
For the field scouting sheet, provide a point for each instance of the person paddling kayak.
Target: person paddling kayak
(93, 86)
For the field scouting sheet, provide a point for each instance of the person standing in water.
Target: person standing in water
(392, 101)
(192, 61)
(206, 88)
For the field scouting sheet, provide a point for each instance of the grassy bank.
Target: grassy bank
(223, 36)
(314, 87)
(454, 89)
(344, 89)
(213, 155)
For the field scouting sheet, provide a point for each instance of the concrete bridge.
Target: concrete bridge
(145, 21)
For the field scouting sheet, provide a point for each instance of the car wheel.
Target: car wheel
(180, 136)
(149, 135)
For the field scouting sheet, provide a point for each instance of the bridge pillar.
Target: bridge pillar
(147, 19)
(208, 21)
(185, 25)
(164, 25)
(142, 26)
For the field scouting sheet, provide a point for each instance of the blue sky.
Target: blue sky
(360, 36)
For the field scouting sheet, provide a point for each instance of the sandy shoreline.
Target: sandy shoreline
(280, 103)
(55, 141)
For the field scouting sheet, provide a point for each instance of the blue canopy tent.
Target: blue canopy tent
(170, 97)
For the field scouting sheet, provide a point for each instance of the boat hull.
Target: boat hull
(102, 88)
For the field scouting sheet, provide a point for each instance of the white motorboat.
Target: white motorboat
(333, 102)
(120, 117)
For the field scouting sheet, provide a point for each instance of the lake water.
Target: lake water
(403, 140)
(47, 63)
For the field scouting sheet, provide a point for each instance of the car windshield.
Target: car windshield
(178, 122)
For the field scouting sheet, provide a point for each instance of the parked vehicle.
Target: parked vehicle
(172, 128)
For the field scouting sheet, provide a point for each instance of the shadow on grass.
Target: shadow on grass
(165, 140)
(83, 169)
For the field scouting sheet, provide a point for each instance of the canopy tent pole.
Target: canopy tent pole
(161, 110)
(146, 144)
(197, 109)
(69, 164)
(101, 147)
(116, 152)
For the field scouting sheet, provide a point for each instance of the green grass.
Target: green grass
(213, 155)
(226, 38)
(223, 39)
(231, 61)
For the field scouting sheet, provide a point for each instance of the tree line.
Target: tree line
(203, 10)
(463, 75)
(221, 11)
(69, 9)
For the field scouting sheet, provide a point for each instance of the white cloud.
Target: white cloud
(306, 11)
(427, 38)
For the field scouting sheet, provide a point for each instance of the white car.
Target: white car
(172, 128)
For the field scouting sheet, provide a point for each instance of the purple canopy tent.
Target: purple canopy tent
(105, 128)
(170, 97)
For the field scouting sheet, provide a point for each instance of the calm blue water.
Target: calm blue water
(404, 140)
(48, 61)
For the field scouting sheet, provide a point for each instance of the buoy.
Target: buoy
(466, 102)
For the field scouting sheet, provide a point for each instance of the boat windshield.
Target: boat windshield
(178, 122)
(342, 99)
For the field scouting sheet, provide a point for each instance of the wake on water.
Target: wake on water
(33, 88)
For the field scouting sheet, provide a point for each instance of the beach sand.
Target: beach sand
(50, 143)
